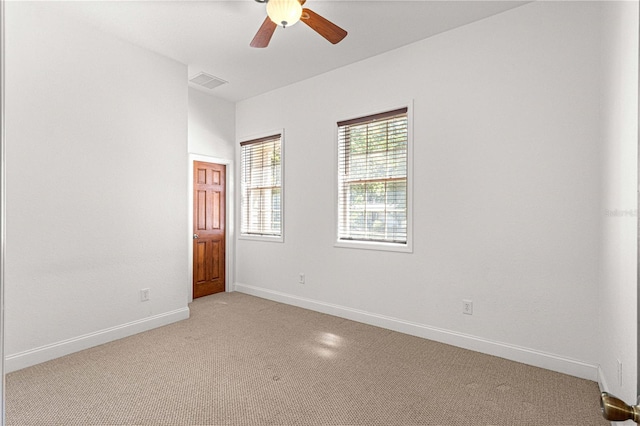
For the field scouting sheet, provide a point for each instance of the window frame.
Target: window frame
(376, 245)
(255, 139)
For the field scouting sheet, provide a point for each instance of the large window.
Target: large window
(261, 181)
(373, 179)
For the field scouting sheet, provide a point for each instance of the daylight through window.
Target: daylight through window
(261, 180)
(372, 178)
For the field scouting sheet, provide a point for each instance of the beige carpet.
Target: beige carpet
(241, 360)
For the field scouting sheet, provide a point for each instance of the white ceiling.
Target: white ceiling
(213, 36)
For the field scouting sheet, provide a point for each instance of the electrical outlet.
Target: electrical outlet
(144, 295)
(301, 278)
(467, 307)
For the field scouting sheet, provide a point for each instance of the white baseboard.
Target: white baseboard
(35, 356)
(503, 350)
(602, 381)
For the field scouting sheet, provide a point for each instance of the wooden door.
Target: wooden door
(208, 228)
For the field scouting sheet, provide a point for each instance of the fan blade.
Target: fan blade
(322, 26)
(263, 36)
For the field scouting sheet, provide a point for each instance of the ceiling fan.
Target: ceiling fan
(285, 13)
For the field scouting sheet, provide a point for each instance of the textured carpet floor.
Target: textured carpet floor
(242, 360)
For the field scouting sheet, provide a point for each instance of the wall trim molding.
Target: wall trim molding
(44, 353)
(520, 354)
(602, 381)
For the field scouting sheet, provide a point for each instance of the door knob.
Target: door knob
(616, 410)
(195, 236)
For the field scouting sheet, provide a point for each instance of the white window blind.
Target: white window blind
(261, 181)
(372, 178)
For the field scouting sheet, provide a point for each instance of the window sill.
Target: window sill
(264, 238)
(371, 245)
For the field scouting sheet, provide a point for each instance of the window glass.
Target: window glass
(261, 181)
(372, 178)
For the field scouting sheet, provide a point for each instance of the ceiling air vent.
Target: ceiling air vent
(207, 81)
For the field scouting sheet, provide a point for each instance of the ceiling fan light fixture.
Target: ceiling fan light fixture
(284, 12)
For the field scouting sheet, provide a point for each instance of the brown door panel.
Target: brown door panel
(208, 228)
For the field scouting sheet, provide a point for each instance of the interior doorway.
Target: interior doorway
(209, 224)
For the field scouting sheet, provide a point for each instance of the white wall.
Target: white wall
(211, 125)
(618, 292)
(2, 204)
(506, 200)
(96, 187)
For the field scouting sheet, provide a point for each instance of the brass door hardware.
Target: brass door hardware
(616, 410)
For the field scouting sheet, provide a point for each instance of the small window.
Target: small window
(373, 180)
(261, 181)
